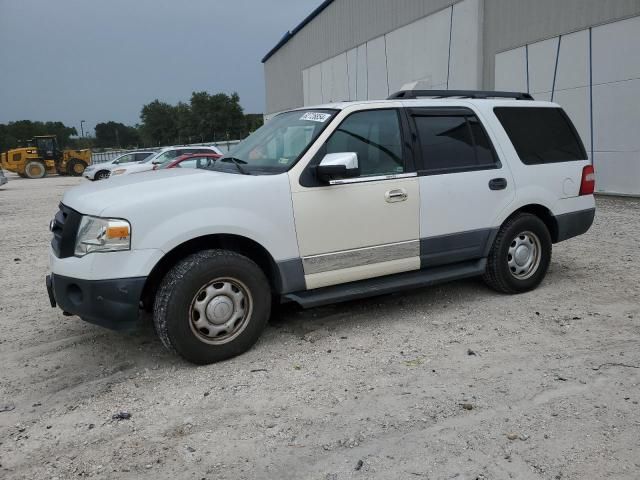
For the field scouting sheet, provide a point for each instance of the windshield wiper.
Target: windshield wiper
(237, 162)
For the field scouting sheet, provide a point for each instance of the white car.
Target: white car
(3, 179)
(165, 155)
(100, 171)
(322, 205)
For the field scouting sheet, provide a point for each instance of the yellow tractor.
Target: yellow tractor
(42, 157)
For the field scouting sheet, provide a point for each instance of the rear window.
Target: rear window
(541, 134)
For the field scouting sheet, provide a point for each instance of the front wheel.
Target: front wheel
(212, 305)
(75, 167)
(35, 169)
(520, 256)
(102, 175)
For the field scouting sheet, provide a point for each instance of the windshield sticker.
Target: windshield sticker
(316, 116)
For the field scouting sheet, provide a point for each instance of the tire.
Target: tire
(75, 167)
(35, 169)
(102, 175)
(520, 255)
(204, 286)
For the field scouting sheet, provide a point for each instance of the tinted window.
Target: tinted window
(456, 142)
(541, 135)
(375, 136)
(141, 156)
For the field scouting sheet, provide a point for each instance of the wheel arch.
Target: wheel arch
(236, 243)
(543, 213)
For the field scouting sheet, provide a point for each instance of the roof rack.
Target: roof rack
(478, 94)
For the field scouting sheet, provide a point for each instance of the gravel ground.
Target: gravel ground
(453, 381)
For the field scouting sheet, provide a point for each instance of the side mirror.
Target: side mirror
(116, 162)
(338, 165)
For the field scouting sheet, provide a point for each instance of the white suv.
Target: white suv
(163, 156)
(322, 205)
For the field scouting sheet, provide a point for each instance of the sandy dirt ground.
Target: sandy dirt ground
(450, 382)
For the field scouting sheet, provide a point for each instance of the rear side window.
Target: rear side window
(541, 134)
(453, 143)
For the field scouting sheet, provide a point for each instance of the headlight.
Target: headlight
(119, 171)
(102, 235)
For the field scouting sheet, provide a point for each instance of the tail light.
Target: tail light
(588, 183)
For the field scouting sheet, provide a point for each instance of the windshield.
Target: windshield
(278, 144)
(163, 157)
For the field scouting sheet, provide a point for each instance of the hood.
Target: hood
(117, 196)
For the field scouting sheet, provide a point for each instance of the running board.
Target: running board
(388, 284)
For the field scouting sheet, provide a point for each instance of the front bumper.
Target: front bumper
(111, 304)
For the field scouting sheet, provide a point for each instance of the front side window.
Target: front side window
(541, 134)
(129, 157)
(191, 163)
(450, 143)
(375, 136)
(278, 144)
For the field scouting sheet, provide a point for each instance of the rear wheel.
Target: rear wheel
(520, 256)
(76, 167)
(211, 306)
(101, 175)
(35, 169)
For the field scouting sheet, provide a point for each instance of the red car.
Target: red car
(190, 160)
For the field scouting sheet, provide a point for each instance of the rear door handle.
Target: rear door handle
(397, 195)
(497, 183)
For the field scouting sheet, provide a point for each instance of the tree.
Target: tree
(114, 134)
(206, 118)
(159, 123)
(17, 133)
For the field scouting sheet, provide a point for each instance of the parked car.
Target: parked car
(323, 205)
(100, 171)
(165, 155)
(190, 160)
(3, 179)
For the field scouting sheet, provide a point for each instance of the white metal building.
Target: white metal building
(582, 54)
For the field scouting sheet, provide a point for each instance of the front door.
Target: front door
(362, 227)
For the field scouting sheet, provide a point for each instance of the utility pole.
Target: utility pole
(81, 129)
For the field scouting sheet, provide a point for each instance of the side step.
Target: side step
(388, 284)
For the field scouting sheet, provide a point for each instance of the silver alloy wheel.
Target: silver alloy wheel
(102, 175)
(524, 255)
(220, 311)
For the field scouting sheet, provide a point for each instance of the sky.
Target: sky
(101, 60)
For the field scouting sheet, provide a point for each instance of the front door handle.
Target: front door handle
(397, 195)
(498, 184)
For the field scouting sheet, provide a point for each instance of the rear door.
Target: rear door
(463, 184)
